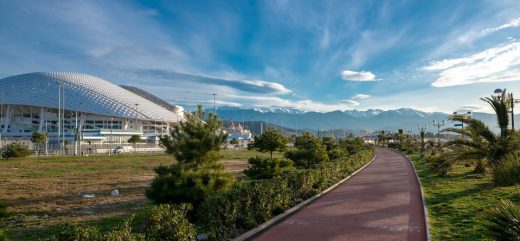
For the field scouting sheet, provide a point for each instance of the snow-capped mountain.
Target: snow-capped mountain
(354, 120)
(363, 114)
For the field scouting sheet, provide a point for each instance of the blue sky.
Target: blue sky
(309, 55)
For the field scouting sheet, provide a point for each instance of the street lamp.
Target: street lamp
(465, 115)
(438, 124)
(214, 105)
(512, 100)
(61, 106)
(1, 116)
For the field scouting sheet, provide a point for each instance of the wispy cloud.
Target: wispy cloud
(358, 76)
(251, 86)
(360, 96)
(470, 108)
(350, 102)
(497, 64)
(511, 24)
(305, 105)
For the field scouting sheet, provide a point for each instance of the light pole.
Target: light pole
(80, 128)
(465, 115)
(60, 86)
(438, 124)
(1, 116)
(214, 104)
(513, 101)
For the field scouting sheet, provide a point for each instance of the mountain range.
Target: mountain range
(352, 120)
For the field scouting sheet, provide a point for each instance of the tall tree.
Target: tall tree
(270, 141)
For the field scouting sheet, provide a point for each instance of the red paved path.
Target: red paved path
(382, 202)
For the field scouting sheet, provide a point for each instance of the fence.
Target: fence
(54, 149)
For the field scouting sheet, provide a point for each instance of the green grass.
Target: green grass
(41, 192)
(456, 202)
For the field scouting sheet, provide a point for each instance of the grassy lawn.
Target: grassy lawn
(40, 192)
(456, 202)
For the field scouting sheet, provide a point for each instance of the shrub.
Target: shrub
(123, 233)
(353, 145)
(394, 145)
(167, 222)
(3, 213)
(334, 150)
(175, 185)
(15, 150)
(508, 172)
(503, 221)
(71, 232)
(3, 236)
(439, 164)
(248, 204)
(309, 151)
(265, 168)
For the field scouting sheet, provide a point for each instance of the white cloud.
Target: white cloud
(358, 76)
(304, 105)
(351, 102)
(360, 96)
(245, 85)
(511, 24)
(497, 64)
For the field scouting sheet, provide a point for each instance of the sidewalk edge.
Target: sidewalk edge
(425, 208)
(275, 220)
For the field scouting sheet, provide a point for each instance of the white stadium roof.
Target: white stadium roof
(84, 93)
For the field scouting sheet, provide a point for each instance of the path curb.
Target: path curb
(425, 209)
(269, 223)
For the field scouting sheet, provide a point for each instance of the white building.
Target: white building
(93, 110)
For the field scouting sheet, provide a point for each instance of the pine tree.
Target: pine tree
(195, 143)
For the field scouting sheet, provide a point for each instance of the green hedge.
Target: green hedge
(248, 204)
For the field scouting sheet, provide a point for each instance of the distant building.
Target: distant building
(238, 132)
(92, 110)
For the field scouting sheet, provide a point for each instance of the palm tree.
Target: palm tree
(482, 144)
(381, 138)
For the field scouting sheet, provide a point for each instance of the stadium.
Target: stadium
(78, 111)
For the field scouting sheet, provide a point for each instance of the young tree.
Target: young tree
(334, 149)
(309, 151)
(270, 141)
(38, 139)
(134, 139)
(195, 142)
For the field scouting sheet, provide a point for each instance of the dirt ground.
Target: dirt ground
(40, 192)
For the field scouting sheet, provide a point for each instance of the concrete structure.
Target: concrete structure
(79, 108)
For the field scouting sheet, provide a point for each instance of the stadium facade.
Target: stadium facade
(80, 108)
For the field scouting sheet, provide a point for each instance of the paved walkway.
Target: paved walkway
(382, 202)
